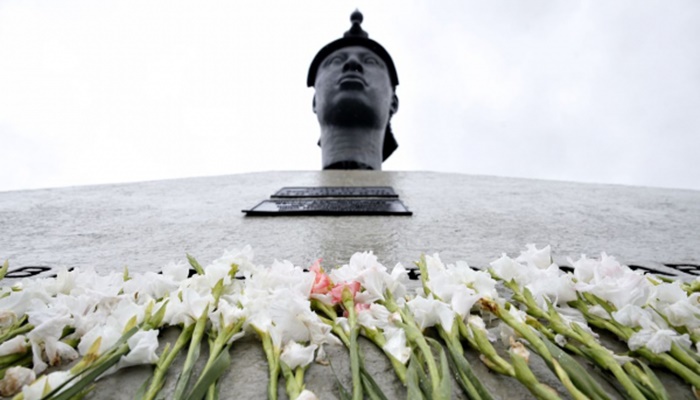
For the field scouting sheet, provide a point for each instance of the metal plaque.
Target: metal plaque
(329, 207)
(336, 191)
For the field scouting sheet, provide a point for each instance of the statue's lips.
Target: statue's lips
(352, 82)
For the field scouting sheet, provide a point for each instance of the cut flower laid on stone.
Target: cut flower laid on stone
(99, 323)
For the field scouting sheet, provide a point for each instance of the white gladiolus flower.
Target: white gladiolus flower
(291, 316)
(508, 269)
(429, 311)
(463, 299)
(396, 344)
(574, 316)
(373, 277)
(187, 310)
(611, 281)
(150, 286)
(667, 293)
(685, 312)
(87, 280)
(599, 312)
(46, 344)
(281, 274)
(633, 316)
(398, 280)
(17, 344)
(657, 340)
(296, 355)
(177, 271)
(560, 340)
(342, 322)
(142, 349)
(541, 258)
(35, 391)
(109, 334)
(476, 322)
(377, 316)
(243, 258)
(15, 378)
(226, 313)
(306, 395)
(519, 349)
(7, 318)
(552, 284)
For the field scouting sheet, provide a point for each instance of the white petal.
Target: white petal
(396, 344)
(297, 355)
(142, 349)
(541, 258)
(15, 378)
(306, 395)
(17, 344)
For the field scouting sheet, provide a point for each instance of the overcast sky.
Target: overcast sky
(119, 91)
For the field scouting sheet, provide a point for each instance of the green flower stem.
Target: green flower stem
(273, 364)
(349, 305)
(496, 362)
(665, 360)
(648, 382)
(683, 357)
(423, 268)
(624, 333)
(24, 360)
(294, 380)
(192, 355)
(415, 336)
(337, 330)
(549, 334)
(164, 362)
(378, 338)
(15, 329)
(464, 333)
(463, 371)
(524, 374)
(219, 344)
(596, 352)
(529, 334)
(3, 270)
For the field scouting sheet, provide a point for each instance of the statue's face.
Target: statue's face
(353, 89)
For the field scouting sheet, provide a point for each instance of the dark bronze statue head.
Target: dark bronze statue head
(355, 82)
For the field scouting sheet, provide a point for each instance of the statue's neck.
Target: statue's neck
(351, 148)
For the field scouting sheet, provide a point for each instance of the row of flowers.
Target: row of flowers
(88, 325)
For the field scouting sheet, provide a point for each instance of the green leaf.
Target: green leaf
(88, 378)
(342, 392)
(413, 389)
(371, 389)
(3, 270)
(465, 375)
(579, 376)
(192, 356)
(656, 386)
(210, 376)
(445, 383)
(195, 264)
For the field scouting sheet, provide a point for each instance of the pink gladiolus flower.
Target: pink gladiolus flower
(359, 307)
(322, 283)
(337, 291)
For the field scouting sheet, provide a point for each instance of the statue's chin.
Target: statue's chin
(348, 165)
(351, 113)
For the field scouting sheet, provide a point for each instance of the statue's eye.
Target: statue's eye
(335, 60)
(371, 61)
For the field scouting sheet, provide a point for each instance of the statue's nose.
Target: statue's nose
(352, 65)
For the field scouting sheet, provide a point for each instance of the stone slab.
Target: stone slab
(145, 225)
